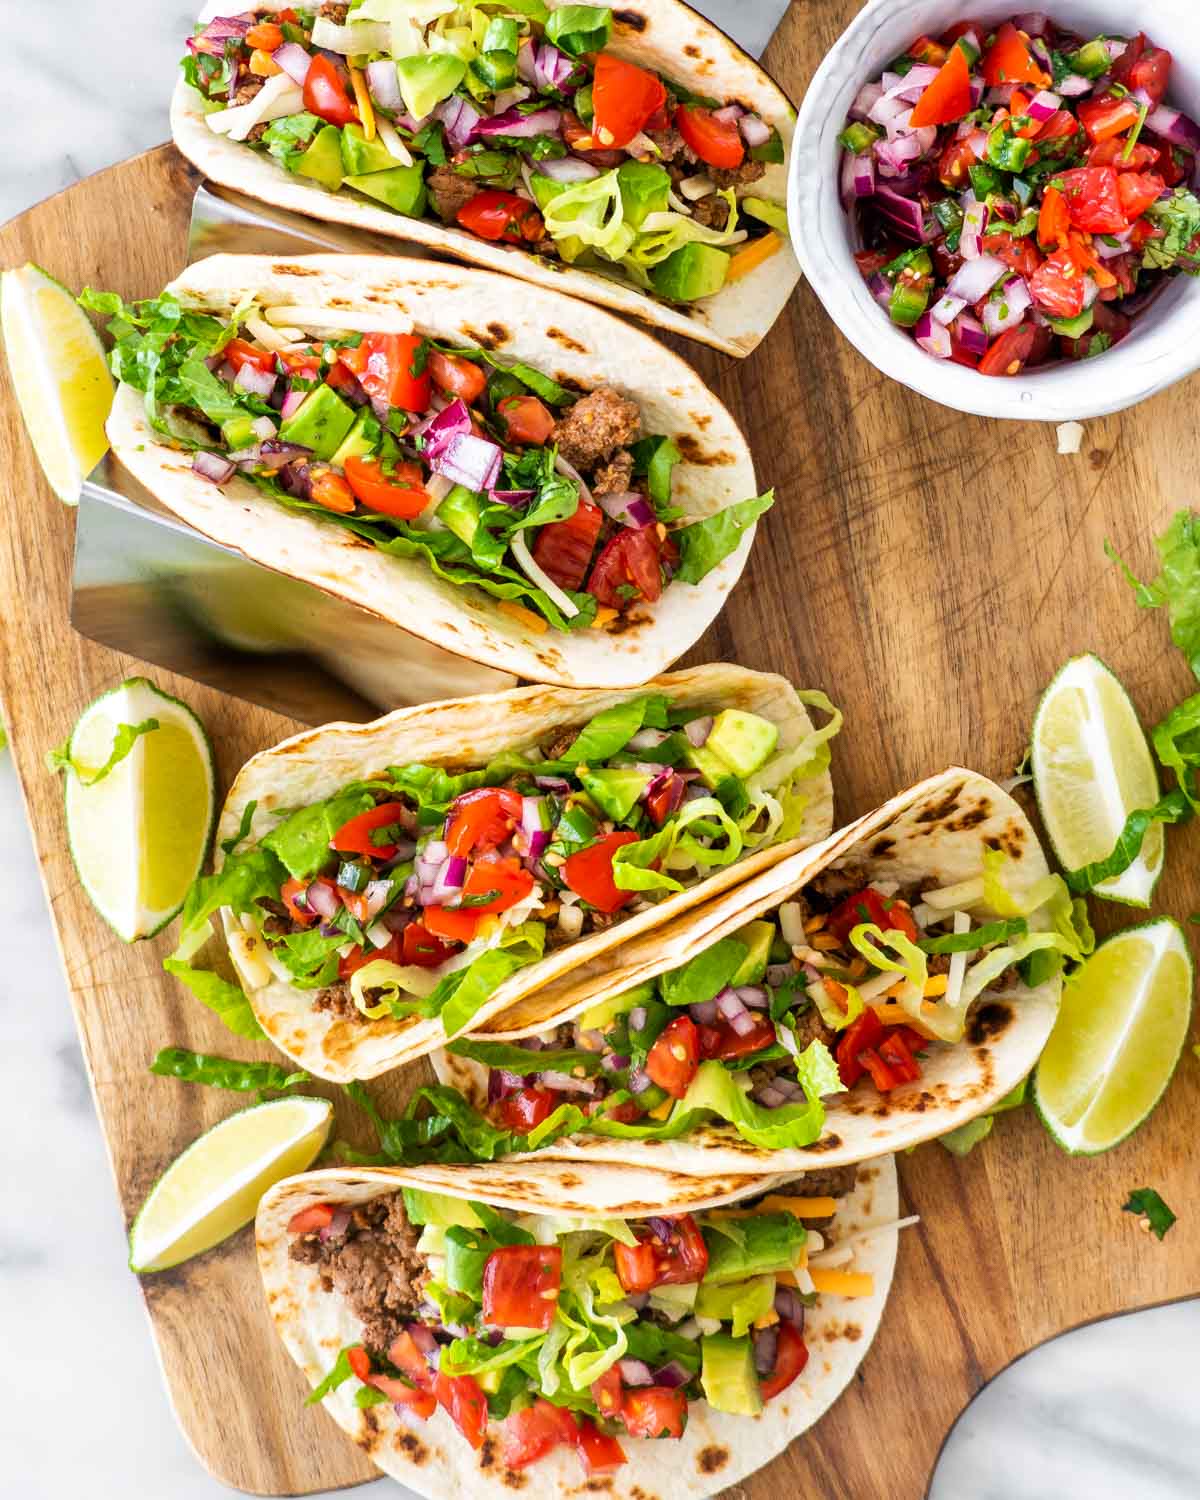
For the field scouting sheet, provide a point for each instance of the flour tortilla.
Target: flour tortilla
(462, 733)
(665, 35)
(717, 1449)
(936, 831)
(517, 322)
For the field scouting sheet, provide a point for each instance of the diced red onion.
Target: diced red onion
(753, 996)
(971, 334)
(669, 780)
(291, 403)
(1091, 290)
(862, 175)
(865, 101)
(1174, 127)
(947, 310)
(256, 382)
(894, 156)
(704, 1012)
(525, 62)
(887, 111)
(1033, 23)
(384, 83)
(212, 466)
(933, 337)
(552, 68)
(214, 36)
(698, 731)
(470, 461)
(629, 508)
(460, 118)
(755, 132)
(778, 974)
(1115, 48)
(977, 87)
(881, 289)
(637, 1017)
(336, 1227)
(729, 114)
(323, 899)
(672, 1374)
(766, 1347)
(970, 243)
(661, 1227)
(448, 881)
(789, 1306)
(275, 455)
(263, 428)
(639, 1081)
(1043, 105)
(613, 1062)
(566, 1084)
(295, 62)
(439, 430)
(566, 169)
(729, 1004)
(647, 739)
(513, 122)
(846, 190)
(904, 213)
(975, 278)
(1110, 252)
(1074, 86)
(376, 894)
(1008, 306)
(635, 1372)
(1000, 93)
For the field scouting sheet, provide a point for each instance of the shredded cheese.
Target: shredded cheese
(958, 963)
(363, 99)
(753, 256)
(835, 1283)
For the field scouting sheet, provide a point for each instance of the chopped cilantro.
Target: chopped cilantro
(1147, 1203)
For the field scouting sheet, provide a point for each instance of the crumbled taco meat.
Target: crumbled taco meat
(712, 212)
(557, 746)
(727, 177)
(335, 12)
(449, 191)
(339, 1002)
(374, 1266)
(833, 886)
(247, 91)
(811, 1028)
(595, 426)
(614, 477)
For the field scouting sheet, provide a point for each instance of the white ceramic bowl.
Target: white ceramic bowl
(1165, 343)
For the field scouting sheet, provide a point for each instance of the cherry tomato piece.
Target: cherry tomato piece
(672, 1252)
(325, 93)
(717, 142)
(791, 1356)
(520, 1286)
(361, 835)
(497, 215)
(527, 420)
(563, 549)
(399, 493)
(624, 97)
(457, 377)
(675, 1056)
(589, 872)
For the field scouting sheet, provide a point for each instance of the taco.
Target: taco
(635, 158)
(558, 1330)
(859, 997)
(383, 886)
(430, 443)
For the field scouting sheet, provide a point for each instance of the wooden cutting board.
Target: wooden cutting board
(930, 570)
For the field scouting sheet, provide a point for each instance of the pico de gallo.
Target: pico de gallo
(496, 477)
(422, 888)
(514, 123)
(544, 1332)
(1022, 192)
(848, 985)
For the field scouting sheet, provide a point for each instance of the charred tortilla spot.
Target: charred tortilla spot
(989, 1022)
(853, 1332)
(368, 1436)
(700, 419)
(712, 1458)
(941, 811)
(826, 1143)
(487, 1453)
(882, 847)
(566, 340)
(632, 20)
(340, 302)
(691, 51)
(495, 335)
(410, 1445)
(569, 382)
(514, 1479)
(693, 453)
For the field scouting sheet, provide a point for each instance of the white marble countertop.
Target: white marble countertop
(1108, 1413)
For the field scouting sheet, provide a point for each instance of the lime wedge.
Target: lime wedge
(60, 375)
(1124, 1018)
(1092, 767)
(140, 835)
(214, 1187)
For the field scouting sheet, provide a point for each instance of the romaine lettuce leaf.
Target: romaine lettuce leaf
(707, 542)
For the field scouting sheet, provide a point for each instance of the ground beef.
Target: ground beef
(374, 1266)
(277, 922)
(727, 177)
(595, 426)
(257, 132)
(558, 746)
(613, 478)
(545, 247)
(832, 886)
(335, 12)
(938, 963)
(810, 1028)
(247, 91)
(713, 211)
(450, 191)
(672, 146)
(338, 1001)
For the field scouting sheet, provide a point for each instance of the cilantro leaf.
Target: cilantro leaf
(1177, 587)
(1148, 1204)
(1178, 217)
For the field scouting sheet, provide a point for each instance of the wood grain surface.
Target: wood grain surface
(929, 570)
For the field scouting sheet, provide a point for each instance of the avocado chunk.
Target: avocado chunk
(644, 187)
(436, 1208)
(360, 440)
(758, 937)
(1074, 328)
(601, 1016)
(772, 214)
(362, 155)
(616, 790)
(238, 432)
(401, 188)
(428, 78)
(691, 272)
(728, 1375)
(740, 1303)
(742, 740)
(459, 513)
(321, 422)
(713, 770)
(769, 1243)
(323, 159)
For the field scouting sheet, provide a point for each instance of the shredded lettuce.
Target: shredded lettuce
(830, 1011)
(677, 846)
(709, 541)
(124, 740)
(663, 233)
(225, 1072)
(592, 213)
(610, 731)
(459, 996)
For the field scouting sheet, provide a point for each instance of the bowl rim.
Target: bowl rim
(1145, 364)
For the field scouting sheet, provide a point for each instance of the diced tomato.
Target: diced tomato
(421, 1403)
(391, 367)
(451, 923)
(521, 1111)
(1112, 154)
(498, 215)
(527, 420)
(359, 1361)
(318, 1216)
(359, 958)
(420, 948)
(482, 819)
(399, 493)
(791, 1355)
(717, 142)
(858, 1036)
(955, 163)
(871, 261)
(1054, 220)
(895, 1051)
(630, 558)
(265, 36)
(495, 882)
(606, 1392)
(299, 914)
(675, 1056)
(1058, 286)
(1061, 125)
(1123, 66)
(1019, 255)
(658, 803)
(463, 1398)
(598, 1452)
(1151, 72)
(325, 93)
(1107, 116)
(962, 28)
(1009, 60)
(927, 51)
(361, 835)
(1093, 199)
(532, 1432)
(674, 1259)
(407, 1358)
(948, 97)
(868, 905)
(1174, 165)
(655, 1411)
(1018, 108)
(330, 490)
(721, 1041)
(240, 353)
(300, 362)
(589, 872)
(457, 377)
(564, 548)
(579, 137)
(1011, 352)
(881, 1074)
(1142, 232)
(1137, 191)
(624, 97)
